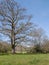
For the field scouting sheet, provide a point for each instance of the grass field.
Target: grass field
(34, 59)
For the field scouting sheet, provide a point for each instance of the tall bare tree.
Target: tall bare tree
(14, 22)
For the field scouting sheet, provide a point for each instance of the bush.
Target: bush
(4, 47)
(35, 49)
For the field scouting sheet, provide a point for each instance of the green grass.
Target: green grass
(34, 59)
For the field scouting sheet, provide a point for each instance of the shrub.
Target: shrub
(4, 47)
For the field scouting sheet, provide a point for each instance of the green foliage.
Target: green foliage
(35, 49)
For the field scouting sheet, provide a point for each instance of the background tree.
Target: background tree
(45, 45)
(38, 37)
(14, 22)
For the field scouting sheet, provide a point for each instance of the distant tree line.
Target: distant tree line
(36, 48)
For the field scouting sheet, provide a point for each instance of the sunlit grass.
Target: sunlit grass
(34, 59)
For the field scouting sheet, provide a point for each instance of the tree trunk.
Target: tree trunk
(13, 39)
(13, 49)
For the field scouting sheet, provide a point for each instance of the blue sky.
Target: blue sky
(40, 11)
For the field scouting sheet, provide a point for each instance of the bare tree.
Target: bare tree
(14, 22)
(38, 34)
